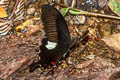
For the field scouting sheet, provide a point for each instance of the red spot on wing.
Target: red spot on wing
(52, 62)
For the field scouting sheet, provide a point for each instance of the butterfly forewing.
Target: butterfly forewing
(4, 26)
(18, 10)
(4, 4)
(49, 20)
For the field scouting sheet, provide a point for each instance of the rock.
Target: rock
(108, 74)
(113, 41)
(17, 53)
(81, 19)
(31, 11)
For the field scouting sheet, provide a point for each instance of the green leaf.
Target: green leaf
(74, 12)
(114, 5)
(64, 11)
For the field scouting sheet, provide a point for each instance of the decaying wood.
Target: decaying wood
(17, 53)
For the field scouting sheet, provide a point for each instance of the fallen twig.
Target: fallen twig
(81, 12)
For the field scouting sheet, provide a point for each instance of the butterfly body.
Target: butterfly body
(57, 36)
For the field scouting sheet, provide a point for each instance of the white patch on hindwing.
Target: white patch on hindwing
(50, 45)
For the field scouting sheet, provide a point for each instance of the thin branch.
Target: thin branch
(95, 14)
(90, 13)
(73, 3)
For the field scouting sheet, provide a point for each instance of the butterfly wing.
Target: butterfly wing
(49, 20)
(18, 10)
(55, 25)
(4, 4)
(56, 32)
(2, 13)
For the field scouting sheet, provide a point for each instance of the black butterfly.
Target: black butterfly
(57, 39)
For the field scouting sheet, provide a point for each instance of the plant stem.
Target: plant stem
(90, 13)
